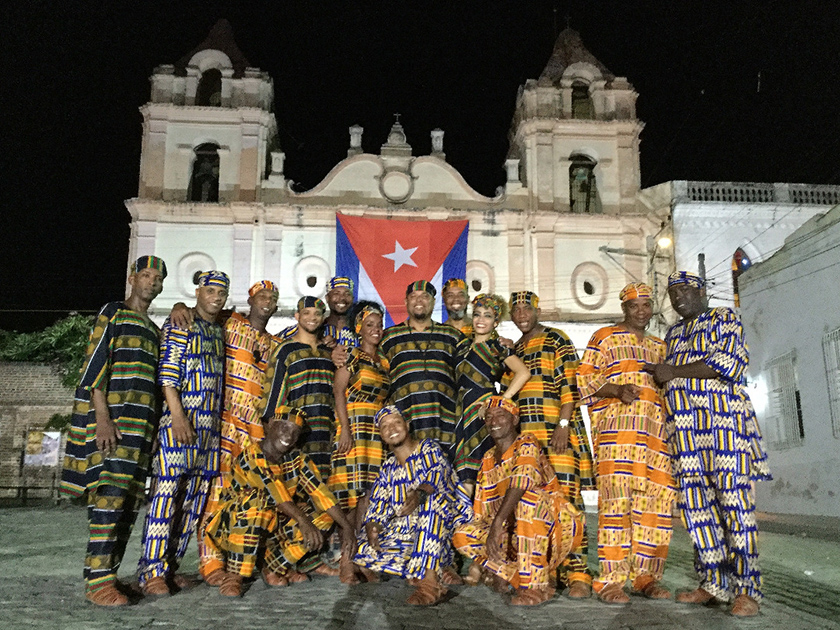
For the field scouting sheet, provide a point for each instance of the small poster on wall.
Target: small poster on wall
(42, 448)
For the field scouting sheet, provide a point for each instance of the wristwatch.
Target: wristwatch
(563, 423)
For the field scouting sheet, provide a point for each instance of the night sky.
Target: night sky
(737, 91)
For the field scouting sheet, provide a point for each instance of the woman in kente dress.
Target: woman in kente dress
(483, 361)
(360, 389)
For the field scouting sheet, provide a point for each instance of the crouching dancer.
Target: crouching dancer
(414, 508)
(276, 501)
(524, 527)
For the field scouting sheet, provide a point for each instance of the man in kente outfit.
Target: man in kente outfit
(633, 461)
(718, 450)
(114, 418)
(523, 526)
(455, 300)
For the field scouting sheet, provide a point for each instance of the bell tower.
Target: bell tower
(576, 135)
(208, 127)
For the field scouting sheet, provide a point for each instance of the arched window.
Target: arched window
(740, 263)
(204, 183)
(581, 101)
(583, 191)
(209, 90)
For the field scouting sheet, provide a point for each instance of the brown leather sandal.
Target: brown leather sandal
(450, 577)
(326, 570)
(231, 585)
(532, 596)
(295, 577)
(653, 590)
(579, 590)
(156, 587)
(108, 595)
(744, 606)
(427, 594)
(614, 594)
(273, 579)
(697, 596)
(215, 577)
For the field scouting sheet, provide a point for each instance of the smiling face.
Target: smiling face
(526, 317)
(455, 301)
(483, 320)
(500, 423)
(210, 300)
(310, 319)
(263, 305)
(637, 313)
(393, 429)
(339, 300)
(282, 435)
(419, 305)
(372, 329)
(687, 301)
(146, 284)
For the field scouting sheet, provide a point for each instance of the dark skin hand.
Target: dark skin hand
(560, 437)
(412, 500)
(664, 372)
(496, 535)
(626, 393)
(182, 429)
(107, 432)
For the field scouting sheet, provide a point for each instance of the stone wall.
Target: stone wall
(30, 393)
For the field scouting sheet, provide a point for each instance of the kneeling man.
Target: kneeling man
(275, 500)
(523, 527)
(414, 508)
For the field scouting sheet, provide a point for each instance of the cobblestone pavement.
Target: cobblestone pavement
(41, 550)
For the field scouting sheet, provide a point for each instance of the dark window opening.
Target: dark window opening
(311, 281)
(799, 416)
(204, 183)
(581, 101)
(588, 288)
(209, 92)
(583, 189)
(476, 285)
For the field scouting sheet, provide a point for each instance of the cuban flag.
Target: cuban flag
(384, 256)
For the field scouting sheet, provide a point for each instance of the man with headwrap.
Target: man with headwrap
(191, 373)
(633, 462)
(275, 509)
(548, 410)
(336, 327)
(247, 347)
(455, 300)
(717, 447)
(114, 415)
(523, 526)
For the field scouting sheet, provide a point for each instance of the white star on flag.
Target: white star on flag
(401, 256)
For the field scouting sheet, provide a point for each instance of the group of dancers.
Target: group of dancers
(413, 442)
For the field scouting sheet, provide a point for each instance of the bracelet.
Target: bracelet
(422, 495)
(563, 423)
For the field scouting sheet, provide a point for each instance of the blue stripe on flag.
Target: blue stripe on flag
(346, 261)
(455, 263)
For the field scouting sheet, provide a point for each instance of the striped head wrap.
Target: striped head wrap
(263, 285)
(292, 414)
(340, 282)
(149, 262)
(455, 283)
(502, 403)
(214, 279)
(494, 302)
(310, 301)
(421, 285)
(387, 410)
(686, 277)
(362, 315)
(635, 290)
(528, 298)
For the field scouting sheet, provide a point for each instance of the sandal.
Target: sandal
(697, 596)
(108, 595)
(532, 596)
(155, 587)
(370, 576)
(273, 579)
(326, 570)
(231, 585)
(427, 594)
(579, 590)
(614, 594)
(744, 606)
(215, 577)
(496, 583)
(295, 577)
(652, 590)
(450, 577)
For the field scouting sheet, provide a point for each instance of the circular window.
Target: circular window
(311, 276)
(480, 277)
(396, 186)
(590, 286)
(189, 268)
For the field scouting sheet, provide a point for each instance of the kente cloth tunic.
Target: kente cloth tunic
(421, 541)
(346, 336)
(423, 378)
(246, 358)
(121, 359)
(636, 488)
(718, 452)
(191, 362)
(248, 518)
(544, 527)
(480, 366)
(302, 377)
(355, 472)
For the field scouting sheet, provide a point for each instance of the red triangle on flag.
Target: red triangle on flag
(396, 253)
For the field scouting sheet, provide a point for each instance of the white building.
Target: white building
(795, 366)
